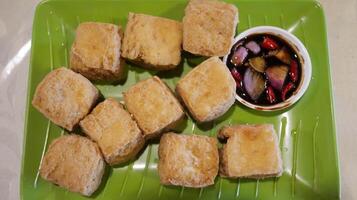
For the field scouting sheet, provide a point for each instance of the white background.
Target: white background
(15, 33)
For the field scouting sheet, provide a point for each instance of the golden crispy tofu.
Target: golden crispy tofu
(95, 52)
(251, 151)
(152, 42)
(209, 27)
(75, 163)
(65, 97)
(153, 106)
(116, 133)
(208, 90)
(188, 160)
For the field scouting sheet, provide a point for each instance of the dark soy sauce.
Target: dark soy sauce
(270, 61)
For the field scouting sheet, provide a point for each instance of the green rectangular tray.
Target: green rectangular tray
(306, 131)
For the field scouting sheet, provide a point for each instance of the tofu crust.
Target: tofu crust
(116, 133)
(209, 27)
(153, 106)
(152, 42)
(75, 163)
(188, 160)
(252, 151)
(95, 52)
(208, 90)
(65, 97)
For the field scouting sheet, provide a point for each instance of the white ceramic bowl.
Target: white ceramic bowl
(304, 59)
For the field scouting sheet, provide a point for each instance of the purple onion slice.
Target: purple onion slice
(277, 75)
(253, 47)
(254, 83)
(239, 56)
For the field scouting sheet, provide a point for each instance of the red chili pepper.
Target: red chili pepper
(237, 77)
(288, 87)
(269, 43)
(270, 94)
(293, 71)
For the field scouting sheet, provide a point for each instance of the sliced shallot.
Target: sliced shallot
(254, 83)
(276, 76)
(253, 47)
(258, 63)
(239, 56)
(283, 55)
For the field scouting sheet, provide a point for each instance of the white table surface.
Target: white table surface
(15, 36)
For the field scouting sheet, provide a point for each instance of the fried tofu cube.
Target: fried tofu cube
(208, 90)
(95, 52)
(209, 27)
(75, 163)
(153, 106)
(188, 160)
(152, 42)
(116, 133)
(65, 97)
(252, 151)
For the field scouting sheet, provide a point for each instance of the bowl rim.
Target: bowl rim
(304, 58)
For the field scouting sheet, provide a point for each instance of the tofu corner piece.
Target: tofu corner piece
(252, 151)
(153, 106)
(75, 163)
(116, 133)
(152, 42)
(208, 90)
(65, 97)
(209, 27)
(95, 52)
(188, 160)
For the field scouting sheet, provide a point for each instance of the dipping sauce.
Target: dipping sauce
(267, 70)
